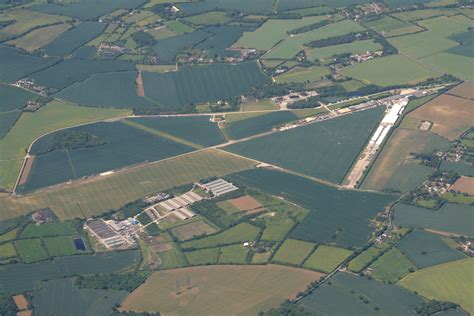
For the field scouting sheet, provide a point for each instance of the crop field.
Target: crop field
(195, 129)
(273, 31)
(87, 9)
(456, 65)
(302, 74)
(190, 230)
(48, 229)
(391, 266)
(7, 121)
(425, 249)
(291, 46)
(466, 44)
(254, 288)
(325, 150)
(336, 216)
(451, 116)
(240, 233)
(348, 294)
(307, 11)
(394, 160)
(415, 15)
(18, 278)
(209, 18)
(460, 167)
(259, 105)
(26, 20)
(451, 218)
(464, 185)
(73, 299)
(293, 252)
(447, 282)
(223, 37)
(31, 250)
(178, 27)
(192, 85)
(13, 98)
(60, 246)
(125, 146)
(39, 37)
(356, 47)
(362, 260)
(100, 194)
(14, 65)
(73, 70)
(236, 254)
(53, 116)
(73, 38)
(241, 127)
(112, 89)
(7, 250)
(326, 258)
(392, 27)
(168, 48)
(402, 70)
(247, 6)
(464, 90)
(203, 256)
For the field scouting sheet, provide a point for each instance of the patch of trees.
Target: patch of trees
(143, 38)
(272, 90)
(7, 305)
(309, 27)
(287, 309)
(6, 23)
(73, 140)
(124, 281)
(336, 40)
(428, 160)
(433, 307)
(311, 102)
(129, 210)
(188, 108)
(117, 313)
(153, 230)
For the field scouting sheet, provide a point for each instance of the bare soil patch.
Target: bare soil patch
(451, 116)
(464, 185)
(464, 90)
(190, 230)
(246, 203)
(28, 312)
(139, 82)
(26, 170)
(20, 301)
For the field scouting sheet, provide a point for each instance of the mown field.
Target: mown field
(451, 218)
(302, 74)
(74, 300)
(447, 282)
(100, 194)
(392, 27)
(336, 216)
(39, 37)
(356, 47)
(293, 252)
(125, 145)
(367, 256)
(324, 150)
(254, 289)
(326, 258)
(18, 278)
(198, 84)
(391, 266)
(348, 294)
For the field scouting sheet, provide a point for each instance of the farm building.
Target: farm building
(219, 187)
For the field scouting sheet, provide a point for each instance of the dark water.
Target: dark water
(79, 243)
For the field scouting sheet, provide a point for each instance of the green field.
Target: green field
(7, 121)
(18, 278)
(324, 150)
(236, 254)
(326, 258)
(32, 125)
(293, 252)
(356, 47)
(7, 250)
(425, 249)
(447, 282)
(240, 233)
(178, 27)
(392, 27)
(13, 98)
(273, 31)
(401, 70)
(208, 18)
(101, 194)
(348, 294)
(49, 229)
(168, 48)
(31, 250)
(39, 37)
(336, 216)
(60, 246)
(452, 218)
(74, 300)
(248, 294)
(203, 256)
(302, 75)
(391, 266)
(366, 257)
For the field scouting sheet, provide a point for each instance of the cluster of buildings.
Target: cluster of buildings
(177, 206)
(218, 187)
(285, 100)
(113, 234)
(29, 84)
(360, 58)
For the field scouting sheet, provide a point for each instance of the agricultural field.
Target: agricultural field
(366, 257)
(74, 300)
(203, 256)
(401, 70)
(450, 218)
(394, 169)
(389, 27)
(425, 249)
(464, 90)
(83, 200)
(60, 246)
(234, 254)
(190, 230)
(48, 230)
(451, 116)
(298, 74)
(348, 294)
(329, 150)
(293, 252)
(39, 37)
(168, 48)
(326, 258)
(336, 216)
(7, 250)
(391, 266)
(357, 47)
(208, 18)
(455, 278)
(159, 292)
(31, 250)
(19, 277)
(464, 185)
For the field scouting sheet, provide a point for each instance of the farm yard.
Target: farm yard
(197, 157)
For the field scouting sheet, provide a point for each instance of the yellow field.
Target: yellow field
(219, 290)
(100, 194)
(40, 37)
